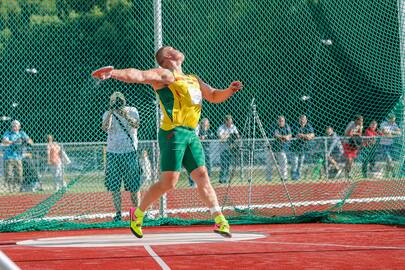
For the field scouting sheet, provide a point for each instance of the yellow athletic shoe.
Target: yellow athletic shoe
(135, 221)
(222, 227)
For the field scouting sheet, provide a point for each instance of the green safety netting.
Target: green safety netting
(327, 60)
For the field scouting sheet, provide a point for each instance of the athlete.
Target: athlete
(180, 100)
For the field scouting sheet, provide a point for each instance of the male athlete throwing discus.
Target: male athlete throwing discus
(180, 100)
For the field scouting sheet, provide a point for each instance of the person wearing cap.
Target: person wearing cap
(121, 123)
(390, 130)
(14, 142)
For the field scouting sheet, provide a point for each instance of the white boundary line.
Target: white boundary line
(6, 263)
(127, 240)
(322, 245)
(156, 257)
(153, 213)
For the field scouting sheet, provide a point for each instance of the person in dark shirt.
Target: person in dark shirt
(304, 133)
(334, 152)
(228, 134)
(282, 136)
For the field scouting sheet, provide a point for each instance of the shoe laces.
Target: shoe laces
(221, 225)
(135, 219)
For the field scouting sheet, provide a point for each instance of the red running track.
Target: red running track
(286, 246)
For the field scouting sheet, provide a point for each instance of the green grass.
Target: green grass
(93, 181)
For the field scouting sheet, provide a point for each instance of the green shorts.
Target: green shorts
(180, 146)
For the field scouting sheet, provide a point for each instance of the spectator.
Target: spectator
(55, 157)
(390, 130)
(369, 147)
(304, 132)
(278, 153)
(334, 152)
(31, 181)
(353, 142)
(121, 124)
(14, 141)
(146, 167)
(227, 133)
(204, 132)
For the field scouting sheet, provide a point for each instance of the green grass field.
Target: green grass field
(93, 181)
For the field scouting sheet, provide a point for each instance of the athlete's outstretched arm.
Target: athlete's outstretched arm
(219, 95)
(132, 75)
(151, 76)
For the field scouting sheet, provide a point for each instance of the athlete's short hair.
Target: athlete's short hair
(158, 55)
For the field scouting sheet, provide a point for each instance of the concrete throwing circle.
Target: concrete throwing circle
(151, 239)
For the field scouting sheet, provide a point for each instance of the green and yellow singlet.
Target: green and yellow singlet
(181, 102)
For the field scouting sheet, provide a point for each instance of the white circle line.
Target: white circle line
(115, 240)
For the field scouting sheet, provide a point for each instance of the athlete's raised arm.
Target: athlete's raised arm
(132, 75)
(219, 95)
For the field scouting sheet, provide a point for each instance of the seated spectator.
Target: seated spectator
(278, 153)
(227, 133)
(353, 142)
(14, 141)
(304, 132)
(370, 147)
(390, 130)
(334, 152)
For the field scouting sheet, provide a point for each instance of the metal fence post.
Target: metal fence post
(326, 157)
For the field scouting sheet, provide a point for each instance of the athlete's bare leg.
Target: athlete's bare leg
(168, 181)
(205, 189)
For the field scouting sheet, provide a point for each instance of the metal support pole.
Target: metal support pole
(326, 157)
(401, 20)
(158, 40)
